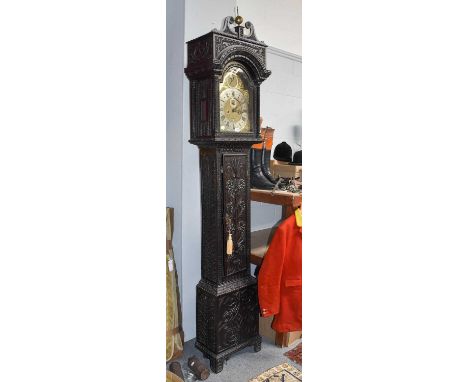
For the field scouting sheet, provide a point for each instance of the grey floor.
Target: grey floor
(245, 364)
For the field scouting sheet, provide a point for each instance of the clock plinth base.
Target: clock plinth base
(217, 360)
(227, 318)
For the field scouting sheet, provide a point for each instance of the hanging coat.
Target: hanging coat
(280, 276)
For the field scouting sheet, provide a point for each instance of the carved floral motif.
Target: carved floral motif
(230, 321)
(235, 212)
(225, 46)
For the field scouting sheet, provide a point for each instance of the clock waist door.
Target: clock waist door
(235, 183)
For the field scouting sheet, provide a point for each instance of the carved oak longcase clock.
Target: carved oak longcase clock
(225, 68)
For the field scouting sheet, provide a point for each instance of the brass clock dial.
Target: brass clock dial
(234, 102)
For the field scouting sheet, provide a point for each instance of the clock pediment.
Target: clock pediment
(209, 53)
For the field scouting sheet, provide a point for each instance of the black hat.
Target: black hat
(297, 158)
(283, 152)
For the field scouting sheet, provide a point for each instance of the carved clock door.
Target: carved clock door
(235, 167)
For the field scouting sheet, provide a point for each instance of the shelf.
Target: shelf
(282, 198)
(288, 200)
(257, 254)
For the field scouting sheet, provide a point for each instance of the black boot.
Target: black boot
(266, 154)
(257, 179)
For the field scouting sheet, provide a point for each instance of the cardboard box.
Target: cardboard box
(285, 170)
(283, 340)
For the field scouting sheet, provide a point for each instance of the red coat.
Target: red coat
(280, 277)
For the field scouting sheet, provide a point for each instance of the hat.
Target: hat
(283, 152)
(297, 159)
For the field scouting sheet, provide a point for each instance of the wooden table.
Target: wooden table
(289, 202)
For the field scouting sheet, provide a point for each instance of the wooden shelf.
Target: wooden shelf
(283, 198)
(256, 254)
(259, 244)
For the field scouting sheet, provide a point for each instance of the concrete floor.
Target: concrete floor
(245, 364)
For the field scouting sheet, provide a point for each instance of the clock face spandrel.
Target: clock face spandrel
(234, 102)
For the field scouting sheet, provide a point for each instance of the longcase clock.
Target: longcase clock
(225, 68)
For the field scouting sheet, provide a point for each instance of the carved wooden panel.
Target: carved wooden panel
(210, 220)
(249, 312)
(235, 167)
(206, 321)
(237, 317)
(229, 320)
(199, 50)
(226, 45)
(201, 108)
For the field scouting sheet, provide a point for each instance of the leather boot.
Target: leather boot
(257, 178)
(266, 154)
(266, 165)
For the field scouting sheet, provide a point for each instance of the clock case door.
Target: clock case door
(225, 187)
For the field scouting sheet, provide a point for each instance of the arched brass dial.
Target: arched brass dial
(234, 101)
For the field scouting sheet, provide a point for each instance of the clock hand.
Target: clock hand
(235, 107)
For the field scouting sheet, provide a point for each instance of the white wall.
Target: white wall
(278, 23)
(175, 39)
(281, 108)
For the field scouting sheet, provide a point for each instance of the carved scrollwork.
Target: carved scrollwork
(225, 46)
(251, 35)
(229, 329)
(228, 25)
(221, 43)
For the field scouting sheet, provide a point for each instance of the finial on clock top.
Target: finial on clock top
(233, 25)
(238, 20)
